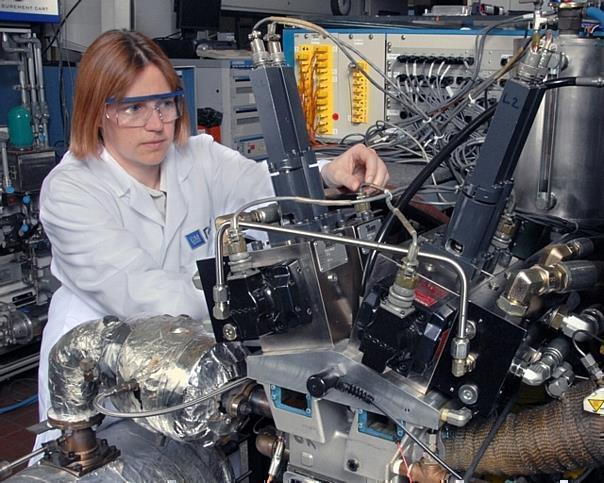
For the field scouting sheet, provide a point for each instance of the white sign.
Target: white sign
(30, 7)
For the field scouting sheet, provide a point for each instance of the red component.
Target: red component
(424, 299)
(10, 199)
(212, 131)
(335, 116)
(427, 294)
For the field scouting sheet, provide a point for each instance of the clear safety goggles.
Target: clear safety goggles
(136, 111)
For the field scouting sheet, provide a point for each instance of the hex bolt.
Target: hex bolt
(468, 394)
(229, 331)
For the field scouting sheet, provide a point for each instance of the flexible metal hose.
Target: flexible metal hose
(556, 437)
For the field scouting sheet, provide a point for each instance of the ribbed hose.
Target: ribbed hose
(556, 437)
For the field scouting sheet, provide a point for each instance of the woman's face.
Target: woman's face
(141, 148)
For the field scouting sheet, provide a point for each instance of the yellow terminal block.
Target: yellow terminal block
(360, 94)
(315, 67)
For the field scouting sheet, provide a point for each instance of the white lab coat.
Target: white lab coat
(112, 251)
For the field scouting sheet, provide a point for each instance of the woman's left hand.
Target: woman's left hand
(358, 165)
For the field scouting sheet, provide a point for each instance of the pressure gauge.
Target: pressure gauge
(341, 7)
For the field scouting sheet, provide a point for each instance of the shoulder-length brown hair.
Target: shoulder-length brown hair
(107, 70)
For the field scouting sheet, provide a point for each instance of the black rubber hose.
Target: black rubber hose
(419, 181)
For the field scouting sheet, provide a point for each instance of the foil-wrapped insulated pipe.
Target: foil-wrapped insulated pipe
(556, 437)
(170, 360)
(174, 360)
(75, 365)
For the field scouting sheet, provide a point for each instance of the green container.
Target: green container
(19, 127)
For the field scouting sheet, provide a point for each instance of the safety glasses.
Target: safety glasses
(136, 111)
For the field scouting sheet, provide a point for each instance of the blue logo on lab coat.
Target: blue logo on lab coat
(195, 239)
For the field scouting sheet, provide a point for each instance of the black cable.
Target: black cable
(574, 81)
(487, 441)
(560, 82)
(170, 36)
(548, 221)
(419, 181)
(60, 27)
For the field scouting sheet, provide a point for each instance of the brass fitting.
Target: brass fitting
(364, 207)
(557, 253)
(235, 242)
(265, 214)
(471, 361)
(406, 278)
(506, 229)
(539, 280)
(531, 281)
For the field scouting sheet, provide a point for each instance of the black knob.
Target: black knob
(319, 384)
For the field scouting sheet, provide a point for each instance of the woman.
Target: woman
(130, 208)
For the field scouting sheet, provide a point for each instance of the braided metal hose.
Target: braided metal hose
(556, 437)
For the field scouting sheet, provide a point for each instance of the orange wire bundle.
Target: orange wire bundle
(307, 87)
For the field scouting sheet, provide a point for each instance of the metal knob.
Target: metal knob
(319, 384)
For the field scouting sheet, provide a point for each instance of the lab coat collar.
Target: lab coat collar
(106, 168)
(183, 168)
(124, 186)
(175, 170)
(121, 182)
